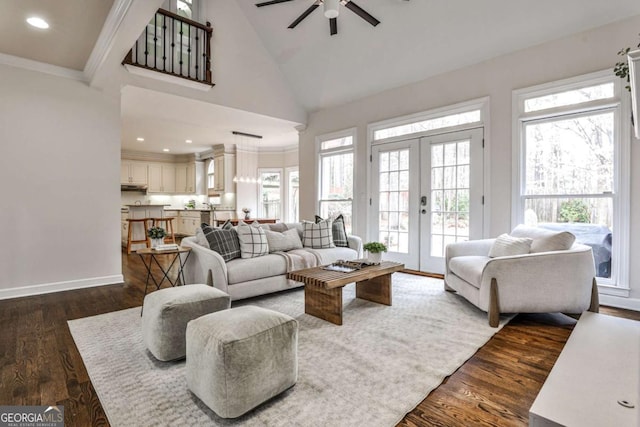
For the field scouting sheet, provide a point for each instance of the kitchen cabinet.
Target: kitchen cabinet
(133, 172)
(162, 178)
(188, 222)
(186, 178)
(224, 171)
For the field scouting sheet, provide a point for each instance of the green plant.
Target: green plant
(375, 247)
(574, 211)
(156, 233)
(622, 68)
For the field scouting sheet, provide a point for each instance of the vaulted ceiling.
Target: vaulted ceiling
(416, 39)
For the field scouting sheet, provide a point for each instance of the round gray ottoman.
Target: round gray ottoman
(240, 358)
(166, 314)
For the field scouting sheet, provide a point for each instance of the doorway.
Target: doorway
(428, 193)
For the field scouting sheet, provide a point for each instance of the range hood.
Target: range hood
(142, 188)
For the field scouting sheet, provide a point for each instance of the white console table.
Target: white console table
(599, 366)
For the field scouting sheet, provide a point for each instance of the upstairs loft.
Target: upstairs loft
(174, 46)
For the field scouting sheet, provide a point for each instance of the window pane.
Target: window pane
(570, 97)
(430, 124)
(335, 143)
(589, 219)
(333, 209)
(570, 156)
(337, 176)
(270, 195)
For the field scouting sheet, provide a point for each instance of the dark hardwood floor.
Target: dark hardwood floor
(40, 364)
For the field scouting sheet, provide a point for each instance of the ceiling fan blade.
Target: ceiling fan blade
(268, 3)
(333, 26)
(361, 13)
(304, 15)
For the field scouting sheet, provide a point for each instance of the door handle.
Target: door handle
(423, 201)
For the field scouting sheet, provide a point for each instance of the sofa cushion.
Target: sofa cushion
(318, 236)
(253, 240)
(246, 269)
(506, 245)
(280, 227)
(338, 231)
(469, 268)
(225, 242)
(284, 241)
(545, 240)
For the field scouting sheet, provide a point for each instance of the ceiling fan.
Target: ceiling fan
(331, 11)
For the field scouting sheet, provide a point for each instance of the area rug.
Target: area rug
(370, 371)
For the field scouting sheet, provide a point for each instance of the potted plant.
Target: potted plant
(157, 235)
(375, 250)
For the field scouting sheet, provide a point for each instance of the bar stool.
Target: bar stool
(168, 222)
(130, 241)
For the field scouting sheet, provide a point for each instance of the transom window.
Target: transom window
(570, 174)
(430, 124)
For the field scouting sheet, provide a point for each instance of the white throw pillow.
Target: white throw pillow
(318, 236)
(201, 239)
(253, 240)
(545, 240)
(506, 245)
(283, 241)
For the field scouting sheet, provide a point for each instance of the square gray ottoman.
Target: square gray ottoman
(240, 358)
(167, 312)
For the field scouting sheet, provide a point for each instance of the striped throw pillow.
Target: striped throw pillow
(253, 240)
(506, 245)
(223, 241)
(317, 236)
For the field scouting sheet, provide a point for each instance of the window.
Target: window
(570, 175)
(270, 197)
(438, 122)
(336, 176)
(293, 195)
(211, 175)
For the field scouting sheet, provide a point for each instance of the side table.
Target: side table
(150, 255)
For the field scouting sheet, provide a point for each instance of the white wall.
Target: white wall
(61, 148)
(278, 159)
(575, 55)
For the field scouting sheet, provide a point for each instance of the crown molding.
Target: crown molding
(160, 157)
(42, 67)
(285, 149)
(105, 41)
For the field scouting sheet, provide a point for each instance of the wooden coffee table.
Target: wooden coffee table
(323, 288)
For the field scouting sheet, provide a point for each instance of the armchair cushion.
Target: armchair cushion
(545, 240)
(469, 268)
(506, 245)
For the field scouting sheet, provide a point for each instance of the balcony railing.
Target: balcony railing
(174, 45)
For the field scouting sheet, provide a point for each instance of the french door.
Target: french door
(428, 193)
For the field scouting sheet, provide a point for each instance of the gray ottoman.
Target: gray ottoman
(240, 358)
(166, 314)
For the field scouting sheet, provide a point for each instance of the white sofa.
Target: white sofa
(539, 282)
(249, 277)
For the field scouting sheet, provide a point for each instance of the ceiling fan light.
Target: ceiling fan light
(331, 8)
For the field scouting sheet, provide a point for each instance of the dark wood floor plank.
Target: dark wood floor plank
(40, 364)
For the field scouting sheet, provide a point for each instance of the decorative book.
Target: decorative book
(349, 266)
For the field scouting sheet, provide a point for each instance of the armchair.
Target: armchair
(541, 282)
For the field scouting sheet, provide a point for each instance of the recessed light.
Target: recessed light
(188, 141)
(140, 139)
(37, 22)
(165, 149)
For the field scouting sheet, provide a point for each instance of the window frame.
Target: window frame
(618, 284)
(287, 194)
(320, 154)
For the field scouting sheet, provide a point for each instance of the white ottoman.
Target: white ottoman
(166, 314)
(240, 358)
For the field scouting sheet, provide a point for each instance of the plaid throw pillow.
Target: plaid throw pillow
(223, 241)
(338, 230)
(317, 236)
(253, 240)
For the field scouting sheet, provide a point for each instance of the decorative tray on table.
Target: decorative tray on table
(349, 266)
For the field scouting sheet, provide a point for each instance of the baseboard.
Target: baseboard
(47, 288)
(619, 302)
